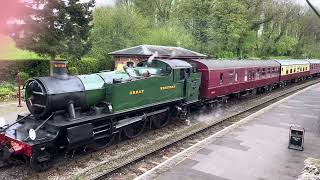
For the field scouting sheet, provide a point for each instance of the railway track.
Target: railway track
(129, 159)
(135, 165)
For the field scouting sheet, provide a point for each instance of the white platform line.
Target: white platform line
(182, 155)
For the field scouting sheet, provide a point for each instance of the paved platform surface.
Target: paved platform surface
(9, 112)
(258, 149)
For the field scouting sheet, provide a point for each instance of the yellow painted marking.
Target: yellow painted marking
(167, 87)
(135, 92)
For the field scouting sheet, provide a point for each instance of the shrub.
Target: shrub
(225, 55)
(73, 71)
(88, 65)
(36, 68)
(8, 91)
(24, 76)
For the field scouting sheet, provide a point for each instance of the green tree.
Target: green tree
(158, 11)
(55, 28)
(169, 35)
(218, 28)
(116, 28)
(195, 16)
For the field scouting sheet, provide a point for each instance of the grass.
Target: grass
(8, 51)
(8, 91)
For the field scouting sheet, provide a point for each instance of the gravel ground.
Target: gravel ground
(311, 170)
(89, 165)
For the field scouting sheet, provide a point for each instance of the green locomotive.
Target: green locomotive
(70, 112)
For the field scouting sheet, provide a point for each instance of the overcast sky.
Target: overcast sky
(105, 2)
(111, 2)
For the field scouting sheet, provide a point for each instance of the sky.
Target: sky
(105, 2)
(315, 3)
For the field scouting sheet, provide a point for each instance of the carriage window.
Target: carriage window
(221, 78)
(258, 73)
(287, 72)
(290, 71)
(246, 75)
(263, 72)
(236, 77)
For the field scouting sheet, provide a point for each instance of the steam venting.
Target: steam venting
(151, 58)
(59, 69)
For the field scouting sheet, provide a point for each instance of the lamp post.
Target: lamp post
(19, 90)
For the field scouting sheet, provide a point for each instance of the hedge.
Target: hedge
(33, 68)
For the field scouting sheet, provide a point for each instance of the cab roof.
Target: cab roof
(173, 63)
(176, 63)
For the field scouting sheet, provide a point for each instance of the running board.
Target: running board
(128, 121)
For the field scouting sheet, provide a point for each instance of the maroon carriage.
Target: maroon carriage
(224, 77)
(314, 67)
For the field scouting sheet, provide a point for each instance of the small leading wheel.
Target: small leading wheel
(41, 161)
(134, 130)
(160, 120)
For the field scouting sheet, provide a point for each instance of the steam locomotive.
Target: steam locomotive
(88, 111)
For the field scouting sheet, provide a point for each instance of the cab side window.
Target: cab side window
(184, 74)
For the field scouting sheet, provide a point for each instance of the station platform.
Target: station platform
(254, 148)
(9, 112)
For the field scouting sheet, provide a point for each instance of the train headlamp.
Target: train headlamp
(32, 134)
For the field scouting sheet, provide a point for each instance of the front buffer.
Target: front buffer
(17, 143)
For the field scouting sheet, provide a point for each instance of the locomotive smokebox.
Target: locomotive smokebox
(59, 69)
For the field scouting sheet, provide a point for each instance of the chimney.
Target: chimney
(59, 69)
